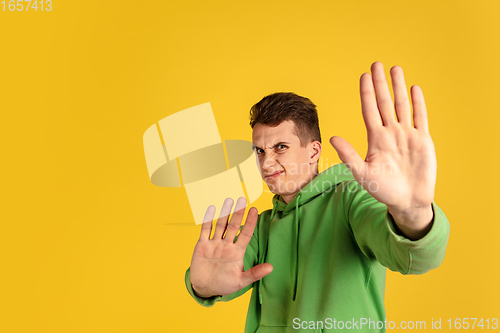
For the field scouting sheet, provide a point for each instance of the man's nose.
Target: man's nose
(269, 162)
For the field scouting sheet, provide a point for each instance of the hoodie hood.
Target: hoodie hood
(325, 181)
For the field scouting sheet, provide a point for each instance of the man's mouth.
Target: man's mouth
(274, 174)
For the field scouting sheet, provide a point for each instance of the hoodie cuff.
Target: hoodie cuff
(207, 302)
(437, 234)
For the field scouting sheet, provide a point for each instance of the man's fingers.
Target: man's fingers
(369, 108)
(234, 224)
(255, 274)
(419, 109)
(206, 227)
(401, 101)
(382, 93)
(247, 230)
(348, 155)
(220, 227)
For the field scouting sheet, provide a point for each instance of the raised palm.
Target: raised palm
(400, 166)
(217, 263)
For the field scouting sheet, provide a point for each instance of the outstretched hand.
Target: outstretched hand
(217, 263)
(400, 166)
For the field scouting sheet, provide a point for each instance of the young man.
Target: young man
(317, 260)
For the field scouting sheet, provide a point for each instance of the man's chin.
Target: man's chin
(277, 188)
(281, 188)
(273, 189)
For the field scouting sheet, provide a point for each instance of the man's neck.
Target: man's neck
(288, 198)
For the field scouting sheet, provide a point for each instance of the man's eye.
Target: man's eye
(259, 150)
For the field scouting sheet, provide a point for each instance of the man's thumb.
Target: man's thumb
(347, 154)
(256, 273)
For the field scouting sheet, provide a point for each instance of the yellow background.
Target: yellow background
(84, 243)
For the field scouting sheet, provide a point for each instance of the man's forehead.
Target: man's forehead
(269, 135)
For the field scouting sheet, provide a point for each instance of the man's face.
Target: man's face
(285, 166)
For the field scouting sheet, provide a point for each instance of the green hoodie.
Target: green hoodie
(329, 248)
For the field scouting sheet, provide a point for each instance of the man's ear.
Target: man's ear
(315, 151)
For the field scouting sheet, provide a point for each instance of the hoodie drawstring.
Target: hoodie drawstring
(263, 257)
(296, 252)
(296, 220)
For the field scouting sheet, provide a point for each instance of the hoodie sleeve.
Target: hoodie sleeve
(377, 235)
(249, 260)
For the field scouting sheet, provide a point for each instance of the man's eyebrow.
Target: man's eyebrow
(273, 146)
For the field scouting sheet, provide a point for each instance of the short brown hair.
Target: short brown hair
(275, 108)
